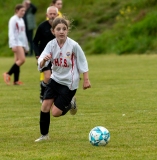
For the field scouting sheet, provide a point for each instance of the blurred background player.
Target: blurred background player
(30, 22)
(42, 37)
(58, 4)
(18, 43)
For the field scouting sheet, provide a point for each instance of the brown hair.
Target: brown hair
(54, 1)
(59, 20)
(18, 7)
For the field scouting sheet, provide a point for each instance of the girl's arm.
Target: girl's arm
(45, 56)
(82, 65)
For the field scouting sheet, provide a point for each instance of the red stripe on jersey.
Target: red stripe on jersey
(17, 26)
(72, 61)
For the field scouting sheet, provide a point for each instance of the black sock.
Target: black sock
(44, 122)
(42, 89)
(16, 74)
(12, 69)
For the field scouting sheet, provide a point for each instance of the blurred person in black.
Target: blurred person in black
(30, 23)
(42, 37)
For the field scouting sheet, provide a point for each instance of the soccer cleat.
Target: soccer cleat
(42, 138)
(6, 78)
(73, 109)
(18, 83)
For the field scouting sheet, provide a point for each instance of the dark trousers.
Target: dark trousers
(29, 34)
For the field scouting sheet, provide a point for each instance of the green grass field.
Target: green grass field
(122, 99)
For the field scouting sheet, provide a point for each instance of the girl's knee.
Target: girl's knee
(22, 63)
(46, 106)
(23, 60)
(56, 112)
(55, 115)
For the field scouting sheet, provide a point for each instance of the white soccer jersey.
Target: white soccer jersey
(17, 35)
(67, 62)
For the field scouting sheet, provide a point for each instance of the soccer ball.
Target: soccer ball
(99, 136)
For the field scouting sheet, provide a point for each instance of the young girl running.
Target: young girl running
(18, 43)
(68, 61)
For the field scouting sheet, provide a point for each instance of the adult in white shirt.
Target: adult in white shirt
(18, 43)
(68, 62)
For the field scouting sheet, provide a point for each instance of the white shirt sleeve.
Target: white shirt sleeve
(12, 29)
(81, 59)
(45, 52)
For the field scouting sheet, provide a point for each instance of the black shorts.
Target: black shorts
(61, 94)
(47, 68)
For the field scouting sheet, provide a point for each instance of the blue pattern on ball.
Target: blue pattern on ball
(99, 136)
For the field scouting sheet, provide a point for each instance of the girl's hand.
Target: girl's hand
(48, 57)
(86, 84)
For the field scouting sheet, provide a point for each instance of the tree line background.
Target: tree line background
(100, 27)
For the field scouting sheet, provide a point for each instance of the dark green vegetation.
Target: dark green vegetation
(122, 99)
(103, 26)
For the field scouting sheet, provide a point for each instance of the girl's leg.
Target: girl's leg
(43, 84)
(63, 102)
(46, 77)
(56, 112)
(45, 119)
(45, 116)
(19, 56)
